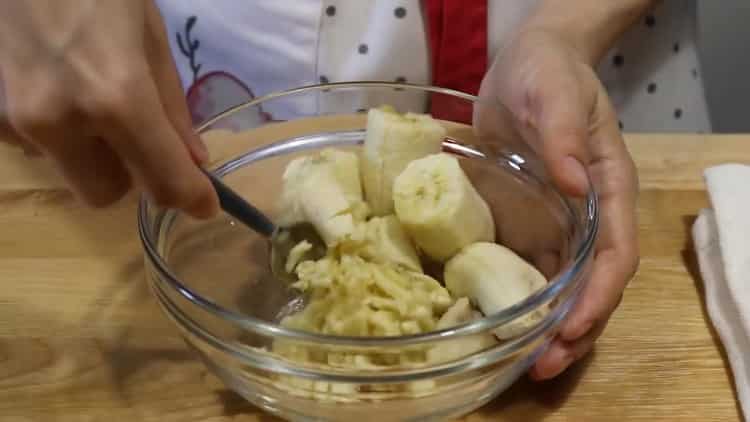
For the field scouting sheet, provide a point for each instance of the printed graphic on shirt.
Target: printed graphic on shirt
(189, 46)
(216, 91)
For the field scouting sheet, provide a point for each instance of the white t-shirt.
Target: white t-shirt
(228, 52)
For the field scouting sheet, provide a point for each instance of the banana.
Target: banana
(386, 241)
(459, 313)
(439, 208)
(495, 278)
(296, 254)
(325, 190)
(392, 140)
(347, 172)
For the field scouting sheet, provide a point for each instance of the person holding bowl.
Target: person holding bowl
(100, 88)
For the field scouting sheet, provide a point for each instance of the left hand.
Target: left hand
(555, 101)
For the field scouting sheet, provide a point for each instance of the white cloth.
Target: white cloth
(248, 49)
(722, 241)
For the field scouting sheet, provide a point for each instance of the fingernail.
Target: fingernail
(552, 363)
(534, 374)
(572, 330)
(576, 174)
(565, 360)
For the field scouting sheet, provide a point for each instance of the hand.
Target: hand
(92, 85)
(556, 103)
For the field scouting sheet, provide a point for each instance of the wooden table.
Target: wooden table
(81, 338)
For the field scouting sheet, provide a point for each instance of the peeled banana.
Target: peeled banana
(386, 241)
(324, 190)
(459, 313)
(392, 140)
(495, 278)
(346, 169)
(439, 207)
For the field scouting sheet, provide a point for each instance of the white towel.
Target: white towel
(722, 242)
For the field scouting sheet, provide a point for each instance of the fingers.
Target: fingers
(91, 167)
(168, 83)
(118, 127)
(140, 132)
(615, 263)
(599, 298)
(101, 109)
(7, 133)
(42, 119)
(561, 354)
(11, 137)
(559, 111)
(616, 259)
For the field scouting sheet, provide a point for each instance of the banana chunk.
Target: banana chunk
(346, 170)
(459, 313)
(439, 207)
(296, 254)
(386, 241)
(324, 190)
(495, 278)
(392, 140)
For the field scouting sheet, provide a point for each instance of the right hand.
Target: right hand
(92, 85)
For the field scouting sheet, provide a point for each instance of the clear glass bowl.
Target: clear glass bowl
(212, 277)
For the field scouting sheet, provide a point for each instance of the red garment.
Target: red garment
(458, 44)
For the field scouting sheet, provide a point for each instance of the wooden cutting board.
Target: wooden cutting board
(81, 338)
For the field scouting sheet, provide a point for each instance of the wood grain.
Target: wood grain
(81, 338)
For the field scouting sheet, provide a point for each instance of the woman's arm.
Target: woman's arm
(590, 26)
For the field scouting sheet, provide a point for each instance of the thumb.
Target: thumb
(560, 115)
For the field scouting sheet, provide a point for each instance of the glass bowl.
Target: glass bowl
(212, 277)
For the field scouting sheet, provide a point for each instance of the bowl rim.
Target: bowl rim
(564, 278)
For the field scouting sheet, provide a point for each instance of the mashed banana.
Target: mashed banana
(350, 296)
